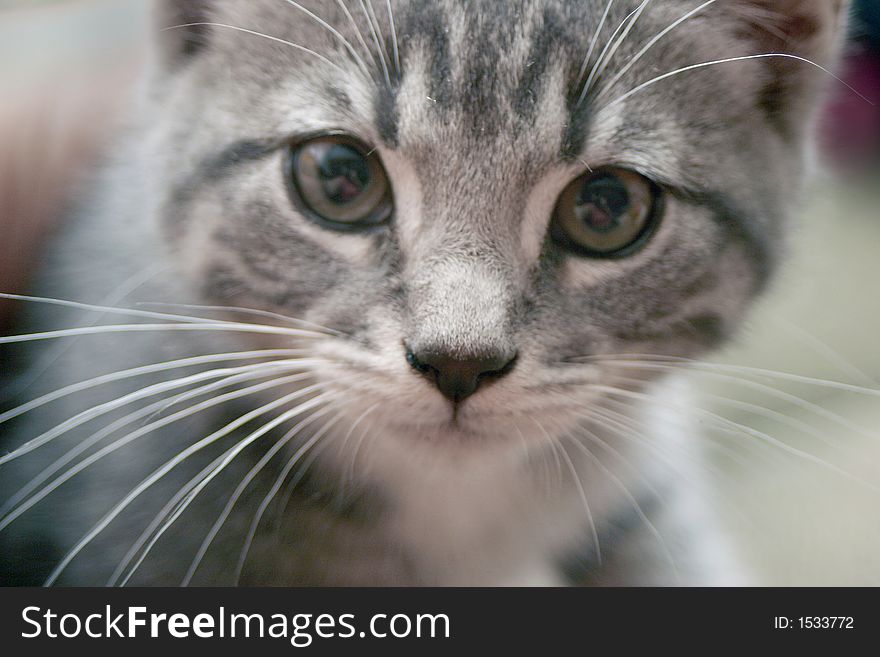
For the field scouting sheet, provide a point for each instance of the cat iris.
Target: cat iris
(339, 182)
(608, 213)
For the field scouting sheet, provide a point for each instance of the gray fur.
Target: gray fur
(480, 130)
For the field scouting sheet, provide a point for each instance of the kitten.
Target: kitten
(458, 235)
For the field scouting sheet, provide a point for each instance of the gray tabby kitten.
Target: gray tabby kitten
(435, 247)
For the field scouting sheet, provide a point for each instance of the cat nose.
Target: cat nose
(460, 377)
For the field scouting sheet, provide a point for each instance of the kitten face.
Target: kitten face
(480, 130)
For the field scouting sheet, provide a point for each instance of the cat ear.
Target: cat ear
(181, 36)
(809, 29)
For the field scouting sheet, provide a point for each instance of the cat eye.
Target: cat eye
(339, 182)
(606, 214)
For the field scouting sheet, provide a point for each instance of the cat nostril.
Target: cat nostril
(416, 364)
(456, 377)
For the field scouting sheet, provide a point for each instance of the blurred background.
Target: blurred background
(66, 67)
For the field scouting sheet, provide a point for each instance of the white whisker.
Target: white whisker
(631, 499)
(140, 371)
(123, 422)
(286, 496)
(826, 351)
(626, 426)
(394, 43)
(245, 484)
(621, 429)
(10, 517)
(46, 361)
(169, 508)
(611, 47)
(110, 310)
(279, 482)
(595, 40)
(248, 311)
(352, 462)
(768, 413)
(581, 491)
(344, 444)
(228, 327)
(334, 32)
(149, 391)
(226, 459)
(357, 31)
(173, 463)
(685, 364)
(383, 54)
(741, 428)
(296, 46)
(641, 53)
(694, 67)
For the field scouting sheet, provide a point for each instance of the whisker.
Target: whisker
(9, 517)
(728, 60)
(767, 450)
(245, 483)
(127, 287)
(284, 501)
(267, 500)
(768, 413)
(702, 467)
(148, 411)
(140, 371)
(344, 444)
(641, 53)
(149, 391)
(822, 348)
(611, 47)
(631, 499)
(110, 310)
(226, 459)
(228, 327)
(349, 477)
(334, 32)
(173, 463)
(555, 447)
(685, 364)
(595, 40)
(581, 491)
(625, 425)
(169, 508)
(527, 454)
(383, 54)
(357, 31)
(741, 428)
(627, 428)
(248, 311)
(296, 46)
(394, 42)
(592, 415)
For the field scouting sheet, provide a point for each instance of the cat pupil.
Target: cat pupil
(601, 204)
(344, 174)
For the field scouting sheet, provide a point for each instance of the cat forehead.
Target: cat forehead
(435, 71)
(473, 83)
